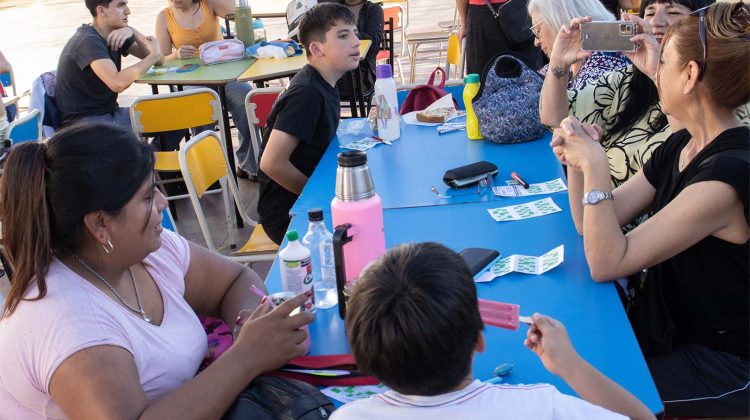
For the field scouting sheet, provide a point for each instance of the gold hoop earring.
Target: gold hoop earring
(111, 247)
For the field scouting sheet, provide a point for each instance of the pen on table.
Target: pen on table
(376, 138)
(254, 289)
(520, 180)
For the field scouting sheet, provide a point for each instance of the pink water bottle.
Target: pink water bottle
(357, 214)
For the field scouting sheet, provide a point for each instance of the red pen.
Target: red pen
(376, 138)
(519, 180)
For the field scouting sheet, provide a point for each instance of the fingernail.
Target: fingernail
(309, 293)
(263, 300)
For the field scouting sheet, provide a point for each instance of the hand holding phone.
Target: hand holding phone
(608, 36)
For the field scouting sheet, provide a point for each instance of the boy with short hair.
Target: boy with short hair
(413, 322)
(89, 74)
(305, 117)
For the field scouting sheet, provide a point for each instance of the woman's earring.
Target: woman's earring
(111, 247)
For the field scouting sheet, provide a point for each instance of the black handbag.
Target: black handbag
(270, 398)
(513, 18)
(647, 311)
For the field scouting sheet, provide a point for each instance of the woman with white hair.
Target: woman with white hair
(548, 16)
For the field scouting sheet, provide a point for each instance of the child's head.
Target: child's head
(413, 319)
(329, 33)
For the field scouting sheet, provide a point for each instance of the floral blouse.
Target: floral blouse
(595, 66)
(599, 102)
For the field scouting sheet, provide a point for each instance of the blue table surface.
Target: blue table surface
(404, 172)
(591, 312)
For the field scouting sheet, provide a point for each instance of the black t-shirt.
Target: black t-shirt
(706, 287)
(308, 110)
(79, 92)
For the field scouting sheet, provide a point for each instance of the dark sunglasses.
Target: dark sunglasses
(704, 39)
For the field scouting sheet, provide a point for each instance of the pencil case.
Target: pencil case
(309, 369)
(467, 175)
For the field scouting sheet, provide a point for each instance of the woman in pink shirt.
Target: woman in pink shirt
(101, 318)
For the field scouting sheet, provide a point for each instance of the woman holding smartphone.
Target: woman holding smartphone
(696, 188)
(624, 103)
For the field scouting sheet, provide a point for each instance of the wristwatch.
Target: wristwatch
(595, 196)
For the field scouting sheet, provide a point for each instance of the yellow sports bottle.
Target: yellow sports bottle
(471, 88)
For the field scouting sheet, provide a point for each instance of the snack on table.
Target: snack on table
(499, 314)
(438, 115)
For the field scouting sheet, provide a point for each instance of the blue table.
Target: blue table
(591, 312)
(405, 171)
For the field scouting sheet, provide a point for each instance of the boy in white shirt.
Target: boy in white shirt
(413, 322)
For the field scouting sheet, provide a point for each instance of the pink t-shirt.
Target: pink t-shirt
(74, 315)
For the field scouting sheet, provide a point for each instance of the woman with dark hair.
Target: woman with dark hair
(624, 103)
(693, 250)
(181, 28)
(100, 321)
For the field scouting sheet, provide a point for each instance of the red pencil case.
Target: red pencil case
(326, 362)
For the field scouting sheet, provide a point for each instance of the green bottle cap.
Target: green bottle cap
(471, 78)
(292, 235)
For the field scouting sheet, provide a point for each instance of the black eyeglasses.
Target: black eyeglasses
(704, 39)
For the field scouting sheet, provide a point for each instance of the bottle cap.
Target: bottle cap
(352, 158)
(471, 78)
(315, 215)
(384, 71)
(292, 235)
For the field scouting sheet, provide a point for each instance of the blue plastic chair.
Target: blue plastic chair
(27, 128)
(167, 221)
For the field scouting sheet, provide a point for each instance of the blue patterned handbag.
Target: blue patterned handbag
(507, 104)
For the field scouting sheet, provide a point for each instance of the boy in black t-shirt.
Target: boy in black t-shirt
(305, 117)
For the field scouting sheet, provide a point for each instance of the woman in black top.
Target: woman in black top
(696, 242)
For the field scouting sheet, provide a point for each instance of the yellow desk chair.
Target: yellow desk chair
(171, 112)
(455, 56)
(203, 161)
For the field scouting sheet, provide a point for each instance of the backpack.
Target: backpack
(423, 96)
(270, 398)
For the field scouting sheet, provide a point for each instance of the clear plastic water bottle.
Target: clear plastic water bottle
(320, 243)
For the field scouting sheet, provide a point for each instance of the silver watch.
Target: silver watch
(595, 197)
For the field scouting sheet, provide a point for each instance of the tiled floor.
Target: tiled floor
(35, 31)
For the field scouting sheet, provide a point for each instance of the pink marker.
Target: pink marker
(503, 315)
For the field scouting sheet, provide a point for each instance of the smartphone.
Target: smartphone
(478, 258)
(185, 68)
(607, 36)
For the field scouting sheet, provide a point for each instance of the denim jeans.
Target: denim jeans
(236, 93)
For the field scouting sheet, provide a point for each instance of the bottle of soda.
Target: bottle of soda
(320, 243)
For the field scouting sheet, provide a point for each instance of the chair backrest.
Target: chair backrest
(387, 44)
(395, 12)
(258, 104)
(176, 111)
(8, 81)
(26, 128)
(454, 86)
(202, 163)
(167, 221)
(454, 56)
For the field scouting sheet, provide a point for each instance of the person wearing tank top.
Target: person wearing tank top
(181, 28)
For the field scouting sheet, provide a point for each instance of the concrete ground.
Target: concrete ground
(33, 33)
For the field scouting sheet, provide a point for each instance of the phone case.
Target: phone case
(187, 68)
(467, 175)
(478, 258)
(607, 36)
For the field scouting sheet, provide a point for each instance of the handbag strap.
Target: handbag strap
(496, 13)
(431, 80)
